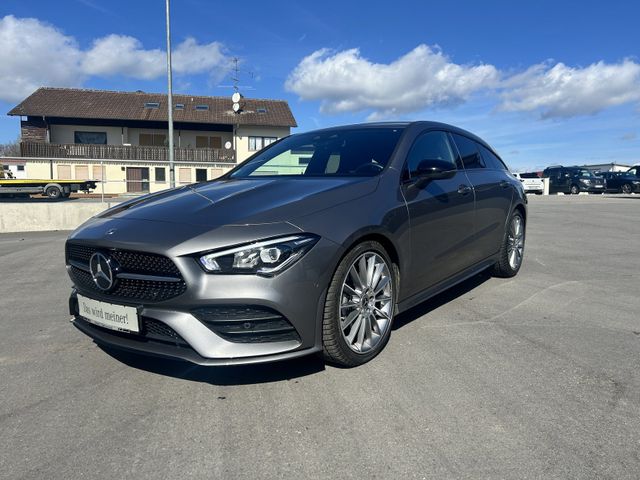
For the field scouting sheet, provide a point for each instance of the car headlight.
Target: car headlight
(583, 180)
(267, 257)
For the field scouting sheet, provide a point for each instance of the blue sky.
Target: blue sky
(545, 82)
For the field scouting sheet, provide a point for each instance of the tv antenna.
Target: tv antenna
(237, 97)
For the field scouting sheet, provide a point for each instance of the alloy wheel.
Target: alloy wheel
(366, 302)
(515, 242)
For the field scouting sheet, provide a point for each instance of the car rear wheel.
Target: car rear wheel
(360, 306)
(627, 188)
(512, 250)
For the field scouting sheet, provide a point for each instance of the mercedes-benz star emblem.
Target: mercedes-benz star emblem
(102, 271)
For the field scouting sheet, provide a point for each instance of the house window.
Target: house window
(261, 110)
(257, 143)
(161, 174)
(151, 105)
(202, 107)
(82, 172)
(21, 168)
(97, 172)
(216, 172)
(90, 138)
(64, 172)
(201, 174)
(208, 142)
(184, 175)
(179, 106)
(152, 139)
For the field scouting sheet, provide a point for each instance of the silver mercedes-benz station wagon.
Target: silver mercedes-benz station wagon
(314, 244)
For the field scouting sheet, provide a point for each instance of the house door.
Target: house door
(137, 179)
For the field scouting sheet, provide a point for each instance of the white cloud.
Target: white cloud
(424, 78)
(347, 82)
(125, 55)
(563, 91)
(35, 54)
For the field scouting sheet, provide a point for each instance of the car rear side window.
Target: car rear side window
(430, 146)
(469, 152)
(491, 160)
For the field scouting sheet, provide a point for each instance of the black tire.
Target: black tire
(503, 267)
(54, 193)
(335, 347)
(575, 189)
(627, 188)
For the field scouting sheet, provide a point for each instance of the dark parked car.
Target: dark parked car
(314, 244)
(621, 182)
(572, 180)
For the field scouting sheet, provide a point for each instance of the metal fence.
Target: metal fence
(124, 152)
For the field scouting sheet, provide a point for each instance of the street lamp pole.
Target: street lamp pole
(172, 172)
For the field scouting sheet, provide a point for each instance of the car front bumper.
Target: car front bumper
(295, 296)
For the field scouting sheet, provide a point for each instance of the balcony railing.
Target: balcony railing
(124, 152)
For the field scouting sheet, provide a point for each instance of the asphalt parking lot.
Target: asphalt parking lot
(532, 377)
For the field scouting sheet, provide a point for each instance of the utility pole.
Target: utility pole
(172, 172)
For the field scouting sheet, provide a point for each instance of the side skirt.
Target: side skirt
(445, 285)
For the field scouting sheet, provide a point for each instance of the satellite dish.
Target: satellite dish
(227, 145)
(235, 98)
(236, 107)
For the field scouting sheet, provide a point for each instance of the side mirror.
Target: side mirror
(433, 170)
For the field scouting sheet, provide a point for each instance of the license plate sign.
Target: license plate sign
(108, 315)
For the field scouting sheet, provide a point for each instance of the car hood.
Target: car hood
(243, 201)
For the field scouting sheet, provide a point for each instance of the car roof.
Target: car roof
(422, 123)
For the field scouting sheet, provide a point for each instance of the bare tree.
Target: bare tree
(11, 149)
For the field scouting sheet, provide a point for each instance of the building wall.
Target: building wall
(608, 167)
(244, 132)
(114, 175)
(181, 138)
(65, 133)
(33, 130)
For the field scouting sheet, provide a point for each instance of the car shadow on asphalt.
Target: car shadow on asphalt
(286, 370)
(447, 296)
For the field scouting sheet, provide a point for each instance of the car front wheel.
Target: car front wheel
(360, 306)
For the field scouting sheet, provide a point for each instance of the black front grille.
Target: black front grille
(130, 261)
(247, 324)
(128, 289)
(156, 330)
(151, 331)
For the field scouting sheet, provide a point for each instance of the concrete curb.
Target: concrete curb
(42, 217)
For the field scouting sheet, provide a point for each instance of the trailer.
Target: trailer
(53, 189)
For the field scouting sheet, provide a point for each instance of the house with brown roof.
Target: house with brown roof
(121, 137)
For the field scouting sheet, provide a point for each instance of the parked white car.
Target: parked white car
(531, 182)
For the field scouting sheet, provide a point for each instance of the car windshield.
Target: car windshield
(351, 152)
(585, 173)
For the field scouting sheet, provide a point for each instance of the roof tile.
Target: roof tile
(105, 104)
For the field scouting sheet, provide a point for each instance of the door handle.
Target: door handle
(505, 184)
(464, 189)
